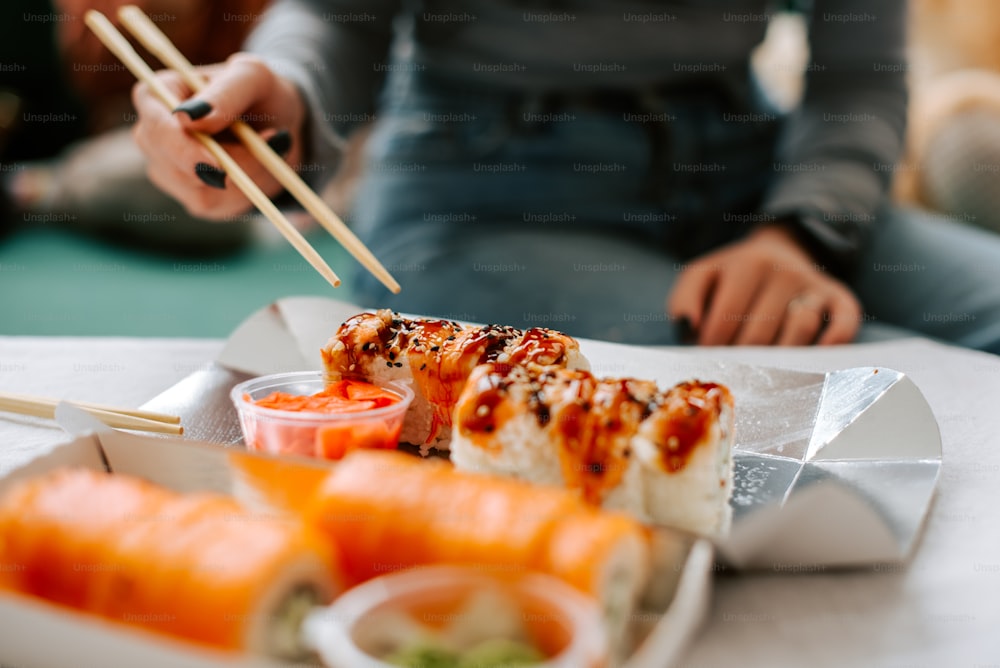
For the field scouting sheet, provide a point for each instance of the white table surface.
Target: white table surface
(942, 609)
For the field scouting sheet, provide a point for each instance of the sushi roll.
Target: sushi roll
(391, 511)
(613, 547)
(437, 356)
(198, 567)
(665, 457)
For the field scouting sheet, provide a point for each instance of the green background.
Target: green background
(56, 282)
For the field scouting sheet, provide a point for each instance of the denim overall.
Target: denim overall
(578, 209)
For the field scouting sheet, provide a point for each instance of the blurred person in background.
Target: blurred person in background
(67, 154)
(952, 161)
(610, 169)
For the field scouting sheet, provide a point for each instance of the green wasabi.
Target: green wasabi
(501, 653)
(498, 653)
(423, 655)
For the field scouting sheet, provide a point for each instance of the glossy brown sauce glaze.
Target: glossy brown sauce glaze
(591, 421)
(686, 414)
(440, 354)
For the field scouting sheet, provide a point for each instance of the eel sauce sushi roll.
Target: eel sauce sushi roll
(665, 457)
(437, 356)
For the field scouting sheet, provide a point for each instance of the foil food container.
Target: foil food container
(833, 469)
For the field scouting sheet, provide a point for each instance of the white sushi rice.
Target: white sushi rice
(523, 449)
(696, 498)
(419, 420)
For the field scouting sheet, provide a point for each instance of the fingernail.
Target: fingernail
(280, 142)
(194, 108)
(210, 176)
(685, 331)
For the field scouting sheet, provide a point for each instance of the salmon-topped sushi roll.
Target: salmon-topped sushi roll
(391, 511)
(437, 356)
(199, 567)
(663, 456)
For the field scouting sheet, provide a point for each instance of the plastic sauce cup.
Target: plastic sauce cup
(314, 434)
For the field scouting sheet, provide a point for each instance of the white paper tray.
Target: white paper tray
(834, 469)
(190, 466)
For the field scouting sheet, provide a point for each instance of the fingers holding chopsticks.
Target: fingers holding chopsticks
(243, 88)
(121, 47)
(273, 96)
(173, 155)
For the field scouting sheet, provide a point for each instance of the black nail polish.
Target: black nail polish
(194, 108)
(210, 176)
(280, 142)
(685, 332)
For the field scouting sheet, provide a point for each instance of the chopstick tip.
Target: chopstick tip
(92, 15)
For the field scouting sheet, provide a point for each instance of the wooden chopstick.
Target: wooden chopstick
(151, 37)
(120, 46)
(134, 412)
(123, 418)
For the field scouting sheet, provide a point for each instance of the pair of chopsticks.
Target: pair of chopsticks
(158, 44)
(123, 418)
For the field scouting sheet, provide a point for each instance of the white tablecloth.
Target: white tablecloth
(942, 609)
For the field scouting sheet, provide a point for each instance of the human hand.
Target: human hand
(764, 290)
(242, 88)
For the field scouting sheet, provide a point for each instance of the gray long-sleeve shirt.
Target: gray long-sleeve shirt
(833, 157)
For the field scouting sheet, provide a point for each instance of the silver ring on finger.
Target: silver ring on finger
(805, 301)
